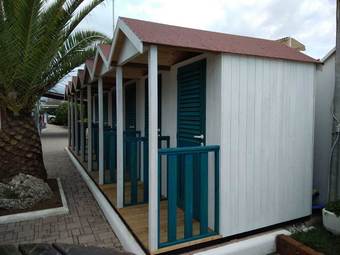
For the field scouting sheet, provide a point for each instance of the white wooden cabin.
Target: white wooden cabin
(213, 133)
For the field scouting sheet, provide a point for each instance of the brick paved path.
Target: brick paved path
(85, 224)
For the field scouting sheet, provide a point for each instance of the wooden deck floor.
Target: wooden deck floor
(137, 217)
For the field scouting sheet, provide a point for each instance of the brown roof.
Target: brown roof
(89, 63)
(161, 34)
(105, 48)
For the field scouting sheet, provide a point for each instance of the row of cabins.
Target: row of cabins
(195, 136)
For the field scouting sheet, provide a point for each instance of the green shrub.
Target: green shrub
(61, 114)
(334, 207)
(320, 240)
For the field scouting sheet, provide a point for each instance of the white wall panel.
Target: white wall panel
(267, 116)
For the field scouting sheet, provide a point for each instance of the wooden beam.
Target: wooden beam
(101, 131)
(153, 148)
(89, 128)
(120, 148)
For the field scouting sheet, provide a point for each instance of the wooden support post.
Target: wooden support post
(101, 131)
(120, 146)
(89, 128)
(109, 110)
(69, 121)
(81, 113)
(76, 118)
(72, 122)
(153, 148)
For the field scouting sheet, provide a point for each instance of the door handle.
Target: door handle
(199, 136)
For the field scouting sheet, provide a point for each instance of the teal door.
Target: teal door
(191, 81)
(130, 108)
(130, 146)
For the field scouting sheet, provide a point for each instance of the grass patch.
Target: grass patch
(320, 240)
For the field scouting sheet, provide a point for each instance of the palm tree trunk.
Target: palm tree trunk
(20, 147)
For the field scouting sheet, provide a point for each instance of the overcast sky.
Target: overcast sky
(311, 22)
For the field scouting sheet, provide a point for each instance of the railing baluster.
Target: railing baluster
(203, 193)
(188, 195)
(172, 197)
(133, 172)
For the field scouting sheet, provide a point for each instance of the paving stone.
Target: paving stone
(85, 220)
(76, 250)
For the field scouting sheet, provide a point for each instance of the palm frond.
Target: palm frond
(39, 46)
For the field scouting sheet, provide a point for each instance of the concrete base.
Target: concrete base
(38, 214)
(258, 245)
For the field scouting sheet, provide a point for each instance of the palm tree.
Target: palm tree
(39, 45)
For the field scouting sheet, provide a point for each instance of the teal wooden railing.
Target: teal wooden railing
(187, 171)
(110, 155)
(136, 158)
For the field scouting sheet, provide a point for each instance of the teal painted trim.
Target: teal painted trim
(188, 195)
(203, 199)
(189, 156)
(189, 150)
(172, 198)
(133, 172)
(166, 244)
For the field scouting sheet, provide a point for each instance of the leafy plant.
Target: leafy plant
(334, 207)
(61, 114)
(319, 239)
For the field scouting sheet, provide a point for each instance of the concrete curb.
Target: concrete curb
(38, 214)
(125, 237)
(258, 245)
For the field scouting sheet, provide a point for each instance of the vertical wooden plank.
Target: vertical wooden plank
(119, 149)
(101, 131)
(89, 128)
(172, 197)
(68, 120)
(146, 170)
(188, 195)
(203, 193)
(72, 122)
(109, 108)
(217, 191)
(76, 124)
(133, 171)
(81, 112)
(153, 147)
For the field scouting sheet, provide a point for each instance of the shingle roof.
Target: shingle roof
(105, 48)
(161, 34)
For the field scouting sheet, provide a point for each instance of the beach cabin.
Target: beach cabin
(211, 136)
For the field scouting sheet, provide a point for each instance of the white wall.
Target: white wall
(324, 92)
(267, 125)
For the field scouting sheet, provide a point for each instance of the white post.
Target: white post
(72, 123)
(153, 148)
(94, 109)
(81, 112)
(101, 131)
(120, 146)
(69, 120)
(76, 123)
(89, 128)
(109, 106)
